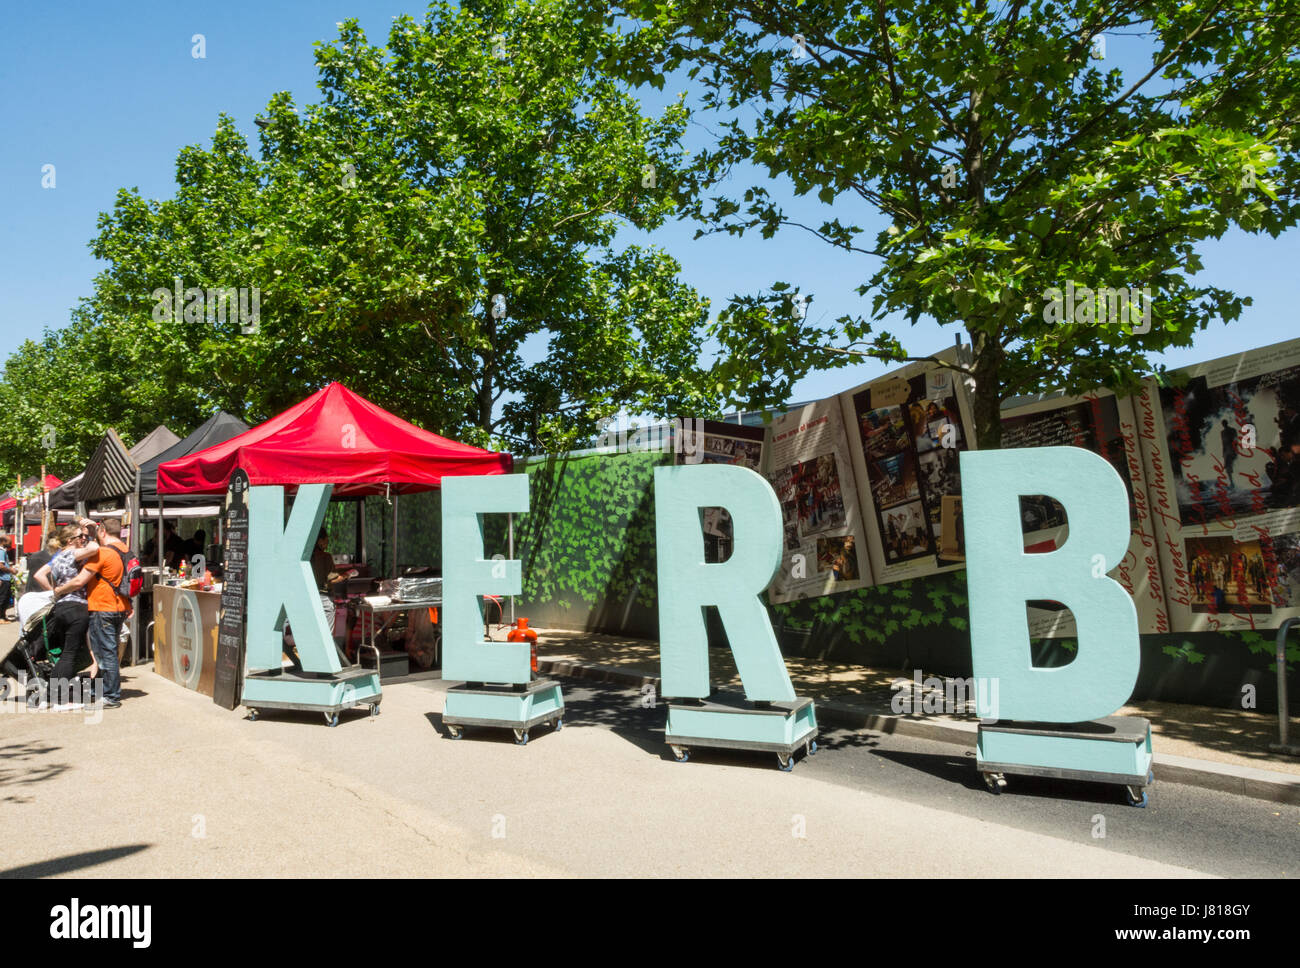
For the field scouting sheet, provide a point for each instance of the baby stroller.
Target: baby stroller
(30, 661)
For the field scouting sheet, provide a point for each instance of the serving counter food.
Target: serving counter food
(185, 624)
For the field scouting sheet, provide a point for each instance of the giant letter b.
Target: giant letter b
(1002, 578)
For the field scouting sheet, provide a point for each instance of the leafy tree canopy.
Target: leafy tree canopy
(480, 153)
(1007, 157)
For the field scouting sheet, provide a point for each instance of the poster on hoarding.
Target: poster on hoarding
(715, 442)
(808, 465)
(1106, 425)
(905, 432)
(1221, 446)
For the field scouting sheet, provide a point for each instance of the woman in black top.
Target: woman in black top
(41, 558)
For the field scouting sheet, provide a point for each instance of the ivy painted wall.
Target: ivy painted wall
(587, 544)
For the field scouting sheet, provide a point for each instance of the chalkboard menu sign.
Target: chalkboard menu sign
(234, 595)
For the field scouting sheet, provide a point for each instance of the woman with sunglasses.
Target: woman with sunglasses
(70, 618)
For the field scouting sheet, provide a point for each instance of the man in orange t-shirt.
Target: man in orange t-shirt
(107, 609)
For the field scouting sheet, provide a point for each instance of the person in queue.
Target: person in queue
(69, 618)
(6, 579)
(39, 559)
(107, 609)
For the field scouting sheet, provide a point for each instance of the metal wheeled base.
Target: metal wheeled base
(1114, 749)
(518, 708)
(328, 694)
(729, 721)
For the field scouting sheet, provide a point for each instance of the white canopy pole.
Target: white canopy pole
(394, 541)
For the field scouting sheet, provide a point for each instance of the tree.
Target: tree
(52, 411)
(453, 196)
(1008, 162)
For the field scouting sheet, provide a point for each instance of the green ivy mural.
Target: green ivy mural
(589, 536)
(873, 614)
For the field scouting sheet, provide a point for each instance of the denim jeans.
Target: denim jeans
(104, 629)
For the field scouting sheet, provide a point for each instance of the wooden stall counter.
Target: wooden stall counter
(185, 635)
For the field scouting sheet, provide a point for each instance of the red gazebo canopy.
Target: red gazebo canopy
(51, 482)
(333, 437)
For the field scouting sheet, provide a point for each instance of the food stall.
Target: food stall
(333, 437)
(181, 627)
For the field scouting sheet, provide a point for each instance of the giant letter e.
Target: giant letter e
(1001, 578)
(467, 575)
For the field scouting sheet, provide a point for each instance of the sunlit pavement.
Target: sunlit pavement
(178, 786)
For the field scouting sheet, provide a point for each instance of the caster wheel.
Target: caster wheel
(559, 725)
(374, 709)
(252, 715)
(521, 737)
(1137, 797)
(812, 748)
(681, 753)
(455, 732)
(996, 782)
(331, 719)
(1151, 777)
(785, 763)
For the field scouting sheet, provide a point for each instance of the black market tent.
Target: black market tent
(217, 429)
(64, 497)
(153, 444)
(109, 476)
(112, 471)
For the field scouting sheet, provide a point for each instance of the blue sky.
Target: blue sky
(108, 92)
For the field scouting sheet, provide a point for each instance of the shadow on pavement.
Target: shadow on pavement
(960, 771)
(309, 717)
(954, 768)
(494, 734)
(13, 774)
(626, 713)
(843, 739)
(72, 862)
(22, 751)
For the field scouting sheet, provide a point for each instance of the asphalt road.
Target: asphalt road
(1206, 830)
(171, 785)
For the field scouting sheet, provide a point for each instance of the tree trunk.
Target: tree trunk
(487, 379)
(988, 391)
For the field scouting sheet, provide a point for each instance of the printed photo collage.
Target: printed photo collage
(869, 484)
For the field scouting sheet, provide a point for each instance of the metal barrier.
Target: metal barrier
(1283, 713)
